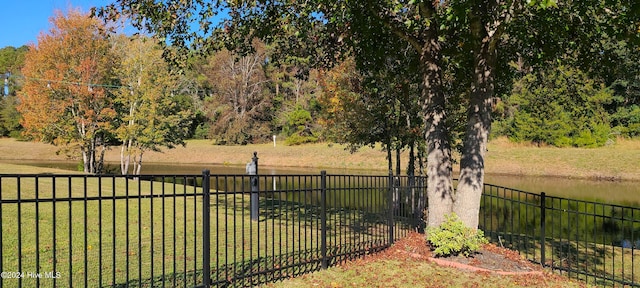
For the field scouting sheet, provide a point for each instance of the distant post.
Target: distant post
(543, 228)
(252, 169)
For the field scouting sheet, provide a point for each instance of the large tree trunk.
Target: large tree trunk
(470, 185)
(439, 172)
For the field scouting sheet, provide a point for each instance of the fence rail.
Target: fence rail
(244, 230)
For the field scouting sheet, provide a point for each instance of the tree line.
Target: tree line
(240, 99)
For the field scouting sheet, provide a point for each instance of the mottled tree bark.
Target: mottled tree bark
(471, 182)
(439, 172)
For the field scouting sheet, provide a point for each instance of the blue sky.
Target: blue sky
(22, 20)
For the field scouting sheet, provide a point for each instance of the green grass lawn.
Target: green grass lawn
(109, 241)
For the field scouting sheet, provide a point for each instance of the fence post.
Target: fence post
(252, 169)
(323, 219)
(391, 206)
(543, 227)
(206, 233)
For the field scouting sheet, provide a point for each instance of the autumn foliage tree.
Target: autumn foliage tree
(340, 87)
(350, 114)
(239, 98)
(150, 114)
(60, 102)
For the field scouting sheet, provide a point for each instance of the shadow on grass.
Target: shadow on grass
(340, 220)
(352, 232)
(263, 269)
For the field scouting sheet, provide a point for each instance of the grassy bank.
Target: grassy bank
(615, 162)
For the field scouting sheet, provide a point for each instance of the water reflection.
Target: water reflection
(191, 169)
(624, 193)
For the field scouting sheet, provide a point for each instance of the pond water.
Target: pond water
(613, 192)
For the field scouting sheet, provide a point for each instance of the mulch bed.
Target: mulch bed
(489, 258)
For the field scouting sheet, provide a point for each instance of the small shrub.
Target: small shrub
(202, 131)
(297, 139)
(452, 237)
(16, 135)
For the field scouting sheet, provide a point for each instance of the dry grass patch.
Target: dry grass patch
(615, 162)
(317, 155)
(6, 168)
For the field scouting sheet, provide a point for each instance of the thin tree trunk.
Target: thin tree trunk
(394, 194)
(125, 151)
(389, 158)
(125, 157)
(411, 180)
(421, 162)
(470, 185)
(139, 168)
(103, 150)
(85, 160)
(92, 156)
(100, 160)
(122, 160)
(398, 162)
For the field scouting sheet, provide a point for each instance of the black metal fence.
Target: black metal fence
(197, 230)
(194, 230)
(81, 231)
(595, 242)
(305, 223)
